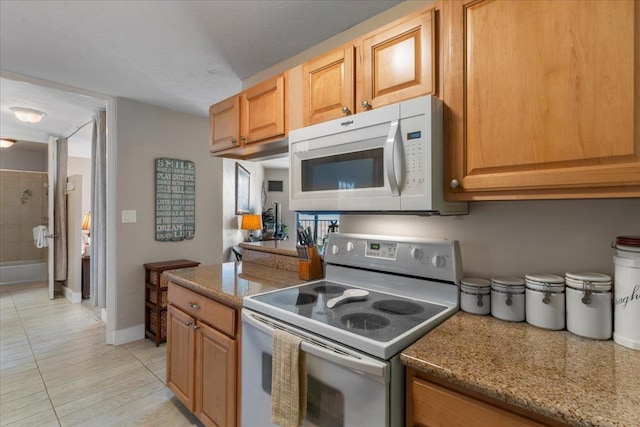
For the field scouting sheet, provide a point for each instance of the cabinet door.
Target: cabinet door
(216, 373)
(224, 124)
(542, 99)
(399, 61)
(329, 85)
(181, 355)
(432, 405)
(263, 111)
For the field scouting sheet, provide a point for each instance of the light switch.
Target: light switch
(128, 216)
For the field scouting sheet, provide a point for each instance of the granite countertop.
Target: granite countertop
(231, 281)
(553, 373)
(279, 247)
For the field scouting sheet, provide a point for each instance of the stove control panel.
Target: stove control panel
(436, 259)
(377, 249)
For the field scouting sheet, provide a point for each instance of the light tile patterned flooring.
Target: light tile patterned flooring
(56, 370)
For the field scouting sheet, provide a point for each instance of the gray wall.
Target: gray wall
(521, 237)
(82, 166)
(32, 159)
(144, 133)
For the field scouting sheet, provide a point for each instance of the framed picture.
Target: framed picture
(243, 185)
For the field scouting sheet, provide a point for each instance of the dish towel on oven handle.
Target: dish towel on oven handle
(288, 380)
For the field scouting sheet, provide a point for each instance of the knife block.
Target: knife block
(311, 269)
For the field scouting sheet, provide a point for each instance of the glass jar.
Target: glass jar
(475, 295)
(589, 311)
(545, 301)
(507, 298)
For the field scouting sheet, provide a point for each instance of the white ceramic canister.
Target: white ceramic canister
(626, 322)
(589, 305)
(507, 298)
(545, 301)
(475, 295)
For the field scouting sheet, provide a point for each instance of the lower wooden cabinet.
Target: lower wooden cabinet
(430, 404)
(202, 361)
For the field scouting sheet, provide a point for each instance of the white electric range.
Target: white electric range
(404, 288)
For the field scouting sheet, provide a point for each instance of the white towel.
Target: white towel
(40, 236)
(288, 380)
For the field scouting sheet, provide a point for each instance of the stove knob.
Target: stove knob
(438, 261)
(335, 249)
(417, 253)
(350, 246)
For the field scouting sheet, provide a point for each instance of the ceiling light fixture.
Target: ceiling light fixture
(6, 143)
(27, 115)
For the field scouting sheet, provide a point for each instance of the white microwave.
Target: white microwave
(388, 160)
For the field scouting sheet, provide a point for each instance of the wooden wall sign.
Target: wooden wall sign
(175, 200)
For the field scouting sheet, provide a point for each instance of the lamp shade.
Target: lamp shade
(86, 222)
(251, 222)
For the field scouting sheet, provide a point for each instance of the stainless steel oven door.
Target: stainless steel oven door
(345, 388)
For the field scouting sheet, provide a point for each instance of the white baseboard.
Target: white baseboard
(73, 297)
(123, 336)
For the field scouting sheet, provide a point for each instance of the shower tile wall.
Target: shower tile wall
(23, 206)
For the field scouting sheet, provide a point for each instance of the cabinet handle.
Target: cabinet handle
(243, 139)
(454, 183)
(346, 111)
(366, 105)
(188, 323)
(194, 306)
(233, 141)
(195, 328)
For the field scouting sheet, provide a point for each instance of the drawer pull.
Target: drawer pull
(194, 306)
(195, 328)
(188, 323)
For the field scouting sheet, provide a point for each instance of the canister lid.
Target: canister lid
(597, 281)
(475, 282)
(544, 278)
(628, 243)
(543, 282)
(507, 281)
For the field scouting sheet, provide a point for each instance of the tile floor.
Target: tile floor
(56, 370)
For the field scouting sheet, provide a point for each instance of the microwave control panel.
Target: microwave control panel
(414, 144)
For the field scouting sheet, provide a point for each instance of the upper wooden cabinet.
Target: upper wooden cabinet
(247, 124)
(542, 99)
(398, 61)
(329, 85)
(394, 63)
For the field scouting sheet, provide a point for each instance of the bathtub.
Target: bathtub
(33, 270)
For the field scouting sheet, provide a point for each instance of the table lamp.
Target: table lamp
(251, 222)
(86, 226)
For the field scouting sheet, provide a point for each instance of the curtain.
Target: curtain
(60, 212)
(98, 248)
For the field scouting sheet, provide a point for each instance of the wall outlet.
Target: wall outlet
(128, 217)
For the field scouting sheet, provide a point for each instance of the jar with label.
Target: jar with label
(626, 325)
(475, 295)
(589, 312)
(507, 298)
(545, 301)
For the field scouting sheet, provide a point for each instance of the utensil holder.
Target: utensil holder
(311, 269)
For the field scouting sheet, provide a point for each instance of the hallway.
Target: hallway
(56, 370)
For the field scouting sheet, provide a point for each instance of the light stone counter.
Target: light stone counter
(232, 281)
(553, 373)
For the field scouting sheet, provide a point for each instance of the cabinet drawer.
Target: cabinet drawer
(209, 311)
(438, 406)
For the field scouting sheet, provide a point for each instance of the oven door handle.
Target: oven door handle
(368, 366)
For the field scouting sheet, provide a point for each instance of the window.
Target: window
(319, 224)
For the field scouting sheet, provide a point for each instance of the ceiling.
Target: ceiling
(181, 55)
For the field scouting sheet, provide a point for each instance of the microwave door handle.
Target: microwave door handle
(367, 366)
(389, 153)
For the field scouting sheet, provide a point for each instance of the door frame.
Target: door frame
(111, 178)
